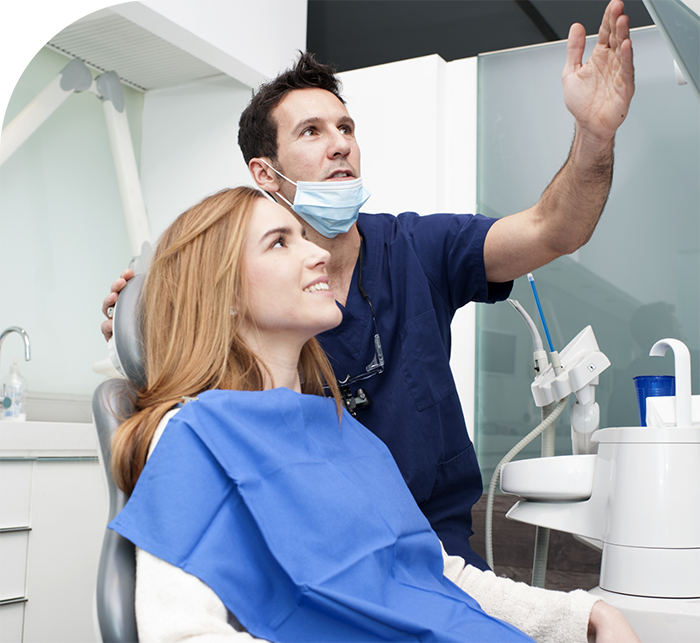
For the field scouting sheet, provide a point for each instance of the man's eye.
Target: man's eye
(308, 132)
(345, 129)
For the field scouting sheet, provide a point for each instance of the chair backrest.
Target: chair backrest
(111, 403)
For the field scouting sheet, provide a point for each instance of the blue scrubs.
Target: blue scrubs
(417, 271)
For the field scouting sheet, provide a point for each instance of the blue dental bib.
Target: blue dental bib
(302, 526)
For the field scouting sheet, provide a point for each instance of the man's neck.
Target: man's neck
(344, 249)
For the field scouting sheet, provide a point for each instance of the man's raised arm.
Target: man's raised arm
(598, 95)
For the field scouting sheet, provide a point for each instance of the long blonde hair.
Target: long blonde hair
(192, 342)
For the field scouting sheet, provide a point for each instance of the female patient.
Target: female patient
(266, 511)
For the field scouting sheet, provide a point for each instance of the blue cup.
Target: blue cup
(652, 386)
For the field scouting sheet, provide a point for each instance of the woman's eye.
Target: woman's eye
(279, 243)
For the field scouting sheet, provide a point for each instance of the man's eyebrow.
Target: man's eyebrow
(307, 122)
(347, 120)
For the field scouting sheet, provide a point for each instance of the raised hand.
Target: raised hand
(598, 94)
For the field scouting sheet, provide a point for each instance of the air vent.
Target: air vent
(109, 42)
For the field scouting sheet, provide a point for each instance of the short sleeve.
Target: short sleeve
(450, 248)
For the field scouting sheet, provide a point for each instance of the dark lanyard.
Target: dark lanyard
(360, 399)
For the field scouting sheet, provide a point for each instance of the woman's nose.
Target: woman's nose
(317, 256)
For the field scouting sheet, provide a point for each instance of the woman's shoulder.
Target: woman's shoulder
(160, 428)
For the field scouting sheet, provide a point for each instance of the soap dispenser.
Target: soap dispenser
(14, 395)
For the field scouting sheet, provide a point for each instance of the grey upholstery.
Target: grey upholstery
(127, 335)
(111, 403)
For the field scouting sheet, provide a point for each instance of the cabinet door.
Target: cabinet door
(11, 622)
(15, 492)
(13, 562)
(69, 515)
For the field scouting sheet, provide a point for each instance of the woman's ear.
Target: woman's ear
(264, 177)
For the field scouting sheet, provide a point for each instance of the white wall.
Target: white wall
(190, 146)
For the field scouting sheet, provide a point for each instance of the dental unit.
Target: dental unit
(625, 490)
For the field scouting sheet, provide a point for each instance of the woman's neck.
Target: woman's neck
(281, 360)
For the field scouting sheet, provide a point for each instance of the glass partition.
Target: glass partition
(636, 281)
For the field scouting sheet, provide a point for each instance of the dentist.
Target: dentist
(399, 280)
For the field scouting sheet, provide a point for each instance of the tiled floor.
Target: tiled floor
(570, 564)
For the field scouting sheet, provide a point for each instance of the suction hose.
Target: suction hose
(544, 425)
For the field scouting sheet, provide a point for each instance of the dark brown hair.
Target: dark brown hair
(257, 130)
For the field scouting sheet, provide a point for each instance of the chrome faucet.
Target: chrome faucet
(25, 337)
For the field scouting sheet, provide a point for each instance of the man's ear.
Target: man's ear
(264, 177)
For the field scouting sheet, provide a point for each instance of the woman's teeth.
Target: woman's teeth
(319, 286)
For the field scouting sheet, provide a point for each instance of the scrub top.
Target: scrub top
(417, 271)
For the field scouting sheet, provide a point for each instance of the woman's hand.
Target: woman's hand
(608, 625)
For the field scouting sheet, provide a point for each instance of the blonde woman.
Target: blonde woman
(260, 509)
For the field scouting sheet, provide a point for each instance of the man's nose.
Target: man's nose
(339, 146)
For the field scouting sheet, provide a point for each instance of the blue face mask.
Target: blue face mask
(330, 207)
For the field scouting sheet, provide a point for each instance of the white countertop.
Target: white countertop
(33, 440)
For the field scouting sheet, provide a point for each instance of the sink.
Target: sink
(566, 478)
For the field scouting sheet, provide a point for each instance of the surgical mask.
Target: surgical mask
(330, 207)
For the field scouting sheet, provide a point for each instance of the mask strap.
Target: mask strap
(281, 196)
(278, 172)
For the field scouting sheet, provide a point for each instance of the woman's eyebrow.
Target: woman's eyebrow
(275, 231)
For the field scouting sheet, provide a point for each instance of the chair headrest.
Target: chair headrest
(126, 341)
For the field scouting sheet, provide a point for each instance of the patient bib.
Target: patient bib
(302, 526)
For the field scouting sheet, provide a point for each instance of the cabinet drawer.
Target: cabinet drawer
(11, 622)
(13, 562)
(15, 492)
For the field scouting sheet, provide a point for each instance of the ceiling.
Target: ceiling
(105, 40)
(360, 33)
(353, 34)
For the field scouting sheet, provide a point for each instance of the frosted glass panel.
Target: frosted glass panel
(63, 236)
(636, 281)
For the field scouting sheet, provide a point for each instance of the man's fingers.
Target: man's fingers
(107, 329)
(605, 26)
(575, 46)
(110, 299)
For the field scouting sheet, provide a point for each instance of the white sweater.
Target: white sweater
(172, 605)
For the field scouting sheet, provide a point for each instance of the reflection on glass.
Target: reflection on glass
(681, 28)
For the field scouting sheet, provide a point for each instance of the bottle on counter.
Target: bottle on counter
(14, 395)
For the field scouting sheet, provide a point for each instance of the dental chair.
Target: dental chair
(111, 403)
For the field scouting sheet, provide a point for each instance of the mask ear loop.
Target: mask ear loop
(281, 196)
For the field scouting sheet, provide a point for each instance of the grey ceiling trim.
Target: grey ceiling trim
(537, 19)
